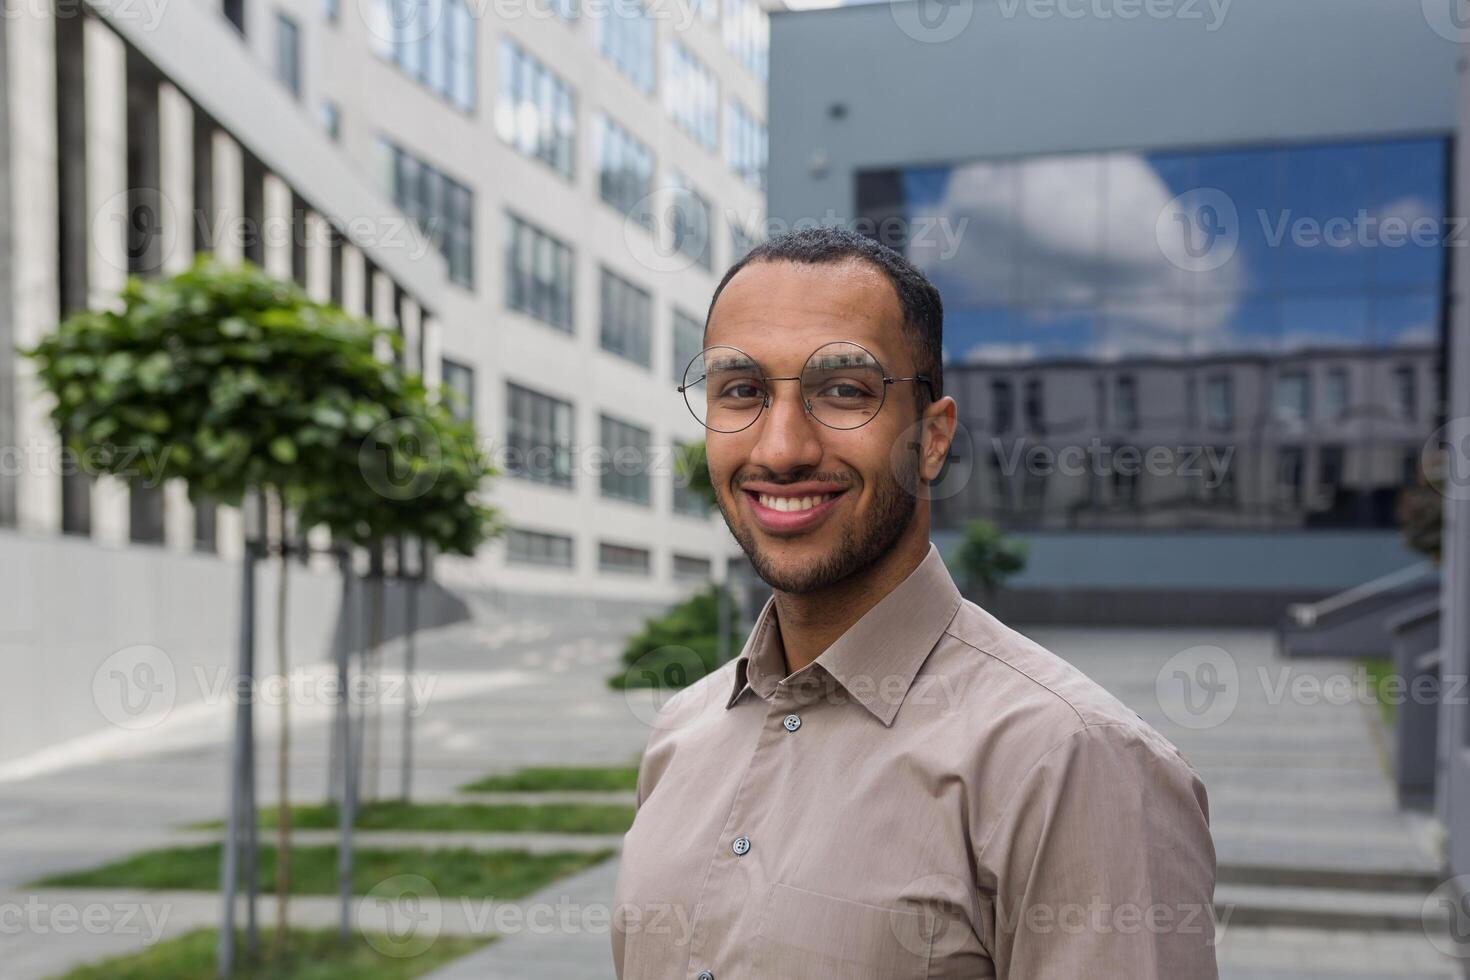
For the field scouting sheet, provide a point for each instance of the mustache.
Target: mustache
(842, 479)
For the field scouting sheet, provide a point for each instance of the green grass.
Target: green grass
(559, 778)
(310, 955)
(1380, 670)
(453, 871)
(514, 818)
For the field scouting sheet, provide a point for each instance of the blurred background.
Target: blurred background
(354, 530)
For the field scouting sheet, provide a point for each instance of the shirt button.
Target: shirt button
(792, 722)
(706, 975)
(741, 845)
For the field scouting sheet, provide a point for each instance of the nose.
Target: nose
(787, 437)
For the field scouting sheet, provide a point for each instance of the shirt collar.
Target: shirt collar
(876, 660)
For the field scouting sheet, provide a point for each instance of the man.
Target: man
(888, 783)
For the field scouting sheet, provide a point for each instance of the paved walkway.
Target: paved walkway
(1301, 809)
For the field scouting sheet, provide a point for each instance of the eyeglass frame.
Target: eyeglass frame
(806, 406)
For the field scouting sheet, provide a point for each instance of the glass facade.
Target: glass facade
(536, 110)
(1275, 310)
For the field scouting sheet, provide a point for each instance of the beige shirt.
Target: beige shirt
(935, 796)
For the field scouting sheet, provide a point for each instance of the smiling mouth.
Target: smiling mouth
(793, 504)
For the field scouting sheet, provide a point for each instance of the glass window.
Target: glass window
(626, 319)
(1125, 402)
(1298, 283)
(537, 548)
(746, 145)
(686, 501)
(1406, 392)
(538, 436)
(691, 95)
(688, 341)
(690, 567)
(538, 275)
(625, 473)
(1002, 406)
(625, 34)
(1335, 394)
(441, 207)
(622, 558)
(1293, 397)
(460, 380)
(747, 33)
(432, 41)
(288, 54)
(331, 119)
(536, 110)
(624, 171)
(1220, 402)
(691, 222)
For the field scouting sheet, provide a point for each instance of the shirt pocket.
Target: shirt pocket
(804, 935)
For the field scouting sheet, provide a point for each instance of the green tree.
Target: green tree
(234, 381)
(986, 558)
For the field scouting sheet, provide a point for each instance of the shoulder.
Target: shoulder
(1035, 702)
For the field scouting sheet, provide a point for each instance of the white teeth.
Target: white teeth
(793, 503)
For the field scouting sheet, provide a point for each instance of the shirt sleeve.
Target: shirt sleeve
(1102, 864)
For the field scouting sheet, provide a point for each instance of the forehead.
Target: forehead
(779, 312)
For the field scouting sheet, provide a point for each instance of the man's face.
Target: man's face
(809, 504)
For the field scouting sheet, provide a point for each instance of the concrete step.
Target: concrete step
(1329, 908)
(1404, 881)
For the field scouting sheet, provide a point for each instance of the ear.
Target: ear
(936, 433)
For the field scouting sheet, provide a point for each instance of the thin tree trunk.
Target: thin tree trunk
(283, 757)
(410, 629)
(375, 734)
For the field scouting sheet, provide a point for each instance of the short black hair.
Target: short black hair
(923, 311)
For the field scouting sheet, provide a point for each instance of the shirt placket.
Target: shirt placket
(733, 893)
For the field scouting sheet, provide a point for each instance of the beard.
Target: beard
(862, 541)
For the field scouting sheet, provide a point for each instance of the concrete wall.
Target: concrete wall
(934, 83)
(99, 639)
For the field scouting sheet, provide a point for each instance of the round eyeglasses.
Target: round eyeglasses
(842, 386)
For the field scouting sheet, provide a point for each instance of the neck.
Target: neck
(811, 622)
